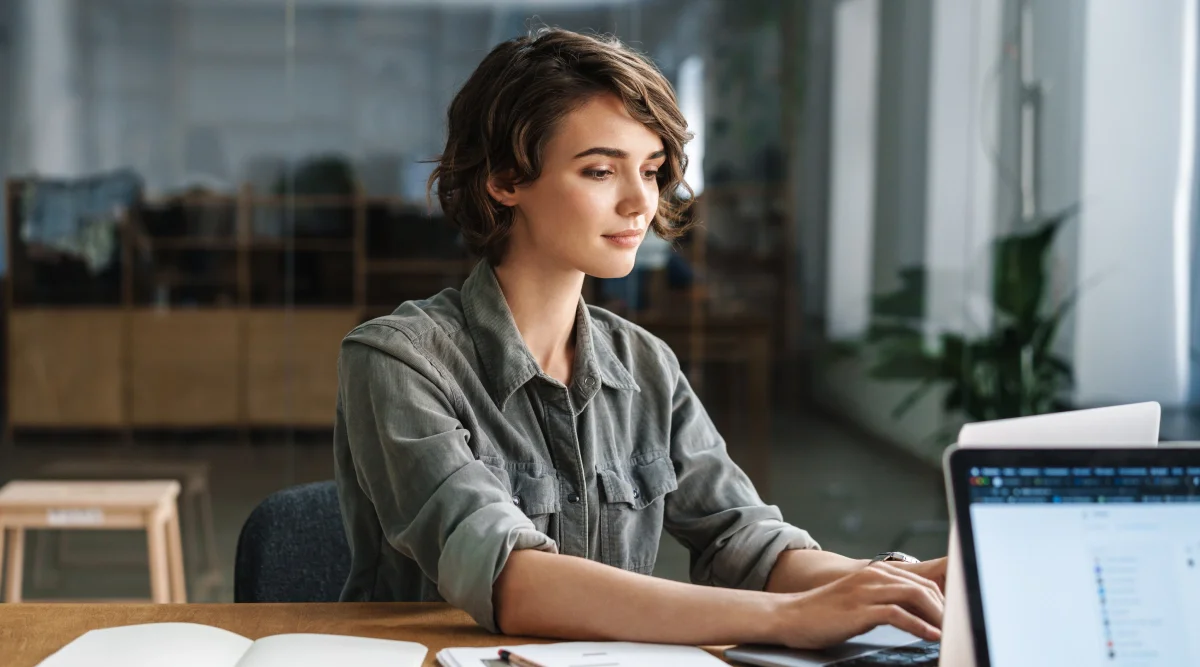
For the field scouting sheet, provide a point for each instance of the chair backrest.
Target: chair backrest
(293, 548)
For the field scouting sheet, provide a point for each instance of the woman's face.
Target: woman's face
(598, 191)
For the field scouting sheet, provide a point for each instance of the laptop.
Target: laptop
(1082, 557)
(1133, 424)
(1119, 425)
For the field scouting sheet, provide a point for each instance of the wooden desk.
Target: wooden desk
(31, 632)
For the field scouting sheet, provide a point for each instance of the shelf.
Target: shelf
(419, 266)
(184, 280)
(184, 243)
(304, 244)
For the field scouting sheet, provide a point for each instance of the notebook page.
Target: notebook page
(616, 654)
(315, 650)
(152, 645)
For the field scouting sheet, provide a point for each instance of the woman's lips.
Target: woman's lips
(626, 239)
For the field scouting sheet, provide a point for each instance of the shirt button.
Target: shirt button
(589, 381)
(636, 494)
(516, 500)
(574, 498)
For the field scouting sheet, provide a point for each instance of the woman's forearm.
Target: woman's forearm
(799, 570)
(564, 597)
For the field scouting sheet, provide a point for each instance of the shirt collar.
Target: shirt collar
(508, 362)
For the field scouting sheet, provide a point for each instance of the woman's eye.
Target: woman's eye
(650, 174)
(598, 174)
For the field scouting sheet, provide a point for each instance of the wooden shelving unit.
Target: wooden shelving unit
(196, 324)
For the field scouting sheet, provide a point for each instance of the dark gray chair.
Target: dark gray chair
(293, 548)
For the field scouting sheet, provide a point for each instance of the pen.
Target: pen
(514, 659)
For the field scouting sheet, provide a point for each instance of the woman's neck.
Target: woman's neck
(543, 301)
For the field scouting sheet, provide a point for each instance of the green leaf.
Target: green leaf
(1019, 266)
(1062, 367)
(1045, 330)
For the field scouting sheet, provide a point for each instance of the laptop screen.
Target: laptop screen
(1082, 557)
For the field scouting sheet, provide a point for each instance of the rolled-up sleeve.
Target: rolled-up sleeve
(734, 538)
(437, 504)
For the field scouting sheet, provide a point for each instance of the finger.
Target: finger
(901, 619)
(937, 572)
(894, 573)
(933, 570)
(916, 599)
(911, 571)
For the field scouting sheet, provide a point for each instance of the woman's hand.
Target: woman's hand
(934, 570)
(881, 594)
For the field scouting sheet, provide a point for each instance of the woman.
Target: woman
(516, 453)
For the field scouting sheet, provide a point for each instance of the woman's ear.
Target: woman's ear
(502, 189)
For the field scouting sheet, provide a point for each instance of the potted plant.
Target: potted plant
(1011, 370)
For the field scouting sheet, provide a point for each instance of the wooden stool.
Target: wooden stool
(72, 505)
(195, 512)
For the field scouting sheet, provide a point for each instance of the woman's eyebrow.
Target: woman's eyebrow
(616, 153)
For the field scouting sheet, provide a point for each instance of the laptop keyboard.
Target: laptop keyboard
(921, 653)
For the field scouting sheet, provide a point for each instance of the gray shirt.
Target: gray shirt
(452, 449)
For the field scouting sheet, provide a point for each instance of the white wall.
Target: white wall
(1131, 332)
(852, 165)
(961, 182)
(1058, 51)
(54, 96)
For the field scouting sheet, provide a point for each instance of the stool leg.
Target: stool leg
(2, 577)
(16, 564)
(175, 559)
(156, 539)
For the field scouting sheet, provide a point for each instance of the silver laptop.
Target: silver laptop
(1124, 424)
(1085, 557)
(1134, 424)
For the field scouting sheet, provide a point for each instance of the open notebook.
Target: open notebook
(195, 645)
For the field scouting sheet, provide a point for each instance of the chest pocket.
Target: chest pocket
(631, 512)
(534, 492)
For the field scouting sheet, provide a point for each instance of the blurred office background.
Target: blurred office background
(915, 213)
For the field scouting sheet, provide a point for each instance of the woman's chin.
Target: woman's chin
(607, 268)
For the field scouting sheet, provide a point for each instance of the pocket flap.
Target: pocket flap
(534, 489)
(538, 494)
(639, 484)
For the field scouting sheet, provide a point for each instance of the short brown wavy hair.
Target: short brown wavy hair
(501, 120)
